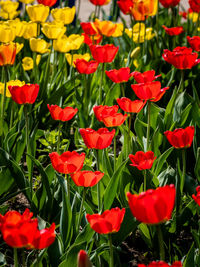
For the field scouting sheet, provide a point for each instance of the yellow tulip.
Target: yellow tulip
(76, 41)
(38, 13)
(65, 15)
(53, 30)
(74, 57)
(7, 33)
(27, 1)
(10, 83)
(10, 15)
(18, 25)
(9, 6)
(62, 44)
(135, 52)
(140, 33)
(30, 30)
(135, 63)
(27, 62)
(119, 30)
(19, 47)
(193, 16)
(39, 45)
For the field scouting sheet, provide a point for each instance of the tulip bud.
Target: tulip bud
(135, 52)
(83, 260)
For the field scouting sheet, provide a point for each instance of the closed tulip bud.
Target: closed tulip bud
(7, 33)
(135, 53)
(27, 62)
(53, 30)
(83, 260)
(37, 13)
(39, 45)
(65, 15)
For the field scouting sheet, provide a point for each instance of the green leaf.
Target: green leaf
(189, 261)
(197, 165)
(161, 160)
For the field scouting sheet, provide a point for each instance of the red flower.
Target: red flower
(174, 30)
(83, 260)
(103, 111)
(169, 3)
(60, 114)
(130, 106)
(125, 6)
(104, 53)
(195, 5)
(86, 67)
(99, 2)
(97, 139)
(86, 178)
(161, 264)
(89, 28)
(109, 222)
(142, 160)
(180, 138)
(67, 162)
(181, 57)
(149, 91)
(153, 206)
(147, 76)
(197, 197)
(47, 2)
(21, 231)
(119, 76)
(114, 120)
(90, 40)
(194, 42)
(25, 94)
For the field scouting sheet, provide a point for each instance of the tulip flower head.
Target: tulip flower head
(7, 54)
(145, 77)
(25, 94)
(99, 139)
(10, 83)
(47, 2)
(161, 264)
(99, 2)
(174, 30)
(37, 13)
(181, 57)
(125, 6)
(53, 30)
(153, 206)
(119, 76)
(83, 260)
(67, 162)
(194, 42)
(142, 160)
(130, 106)
(89, 28)
(169, 3)
(103, 111)
(197, 196)
(39, 45)
(65, 15)
(87, 178)
(104, 53)
(108, 222)
(66, 114)
(114, 120)
(21, 231)
(195, 5)
(181, 138)
(86, 67)
(28, 63)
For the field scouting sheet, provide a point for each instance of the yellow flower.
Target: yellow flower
(140, 33)
(27, 62)
(19, 47)
(11, 15)
(7, 33)
(65, 15)
(119, 30)
(38, 13)
(62, 45)
(74, 57)
(39, 45)
(9, 6)
(30, 29)
(76, 41)
(53, 30)
(105, 27)
(27, 1)
(10, 83)
(135, 52)
(19, 26)
(135, 63)
(193, 16)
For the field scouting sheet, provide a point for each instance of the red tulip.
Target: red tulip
(103, 111)
(89, 28)
(169, 3)
(86, 178)
(60, 114)
(161, 264)
(99, 2)
(180, 138)
(197, 197)
(67, 162)
(92, 40)
(153, 206)
(181, 57)
(104, 53)
(86, 67)
(47, 2)
(97, 139)
(83, 260)
(25, 94)
(147, 76)
(130, 106)
(194, 42)
(119, 76)
(142, 160)
(195, 5)
(21, 231)
(125, 6)
(114, 120)
(109, 222)
(174, 30)
(149, 91)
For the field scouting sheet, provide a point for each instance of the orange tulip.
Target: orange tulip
(144, 8)
(7, 54)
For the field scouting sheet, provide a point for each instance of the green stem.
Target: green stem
(115, 152)
(5, 75)
(11, 114)
(111, 250)
(35, 67)
(184, 170)
(81, 208)
(122, 89)
(15, 258)
(68, 186)
(181, 84)
(86, 98)
(96, 152)
(59, 132)
(161, 242)
(145, 180)
(148, 124)
(101, 84)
